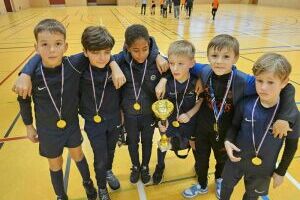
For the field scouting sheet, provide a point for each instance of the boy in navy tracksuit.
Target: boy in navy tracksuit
(55, 96)
(180, 90)
(138, 64)
(100, 105)
(224, 86)
(92, 39)
(251, 148)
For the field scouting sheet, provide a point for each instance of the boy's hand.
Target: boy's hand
(160, 88)
(32, 134)
(162, 64)
(117, 75)
(198, 87)
(281, 128)
(229, 149)
(184, 118)
(23, 86)
(277, 180)
(162, 128)
(192, 144)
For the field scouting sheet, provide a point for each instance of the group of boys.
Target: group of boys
(234, 114)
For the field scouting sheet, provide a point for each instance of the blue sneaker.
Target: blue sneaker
(266, 197)
(194, 191)
(218, 187)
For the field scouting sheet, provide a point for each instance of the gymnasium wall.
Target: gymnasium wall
(23, 4)
(39, 3)
(132, 2)
(20, 4)
(45, 3)
(76, 2)
(284, 3)
(2, 8)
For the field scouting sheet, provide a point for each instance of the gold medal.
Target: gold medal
(256, 161)
(215, 127)
(61, 123)
(175, 123)
(97, 119)
(137, 106)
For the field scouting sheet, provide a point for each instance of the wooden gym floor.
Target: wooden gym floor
(24, 174)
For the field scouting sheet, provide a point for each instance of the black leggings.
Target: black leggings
(143, 8)
(139, 126)
(103, 138)
(204, 144)
(213, 12)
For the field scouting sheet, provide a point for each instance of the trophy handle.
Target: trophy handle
(163, 122)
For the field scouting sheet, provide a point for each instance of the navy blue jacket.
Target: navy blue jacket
(45, 113)
(240, 134)
(189, 101)
(244, 85)
(110, 107)
(152, 77)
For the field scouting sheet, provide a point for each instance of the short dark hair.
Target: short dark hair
(135, 32)
(222, 41)
(51, 25)
(96, 38)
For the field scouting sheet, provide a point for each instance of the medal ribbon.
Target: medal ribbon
(176, 97)
(61, 91)
(217, 113)
(94, 91)
(266, 131)
(133, 82)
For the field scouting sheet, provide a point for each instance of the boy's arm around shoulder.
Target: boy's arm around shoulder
(78, 62)
(290, 148)
(23, 84)
(287, 105)
(197, 68)
(196, 108)
(287, 112)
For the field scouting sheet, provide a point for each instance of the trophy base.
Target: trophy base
(164, 147)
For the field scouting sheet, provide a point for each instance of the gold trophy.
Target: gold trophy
(163, 109)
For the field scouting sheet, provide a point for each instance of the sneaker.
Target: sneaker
(135, 174)
(64, 197)
(265, 197)
(112, 180)
(218, 187)
(103, 194)
(90, 190)
(145, 175)
(158, 175)
(194, 191)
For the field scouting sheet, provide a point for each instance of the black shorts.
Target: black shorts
(52, 143)
(255, 184)
(185, 129)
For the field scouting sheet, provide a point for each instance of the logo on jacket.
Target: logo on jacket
(153, 77)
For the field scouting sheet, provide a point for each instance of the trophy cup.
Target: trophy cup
(163, 109)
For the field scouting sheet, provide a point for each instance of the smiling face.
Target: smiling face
(51, 46)
(98, 58)
(139, 50)
(222, 60)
